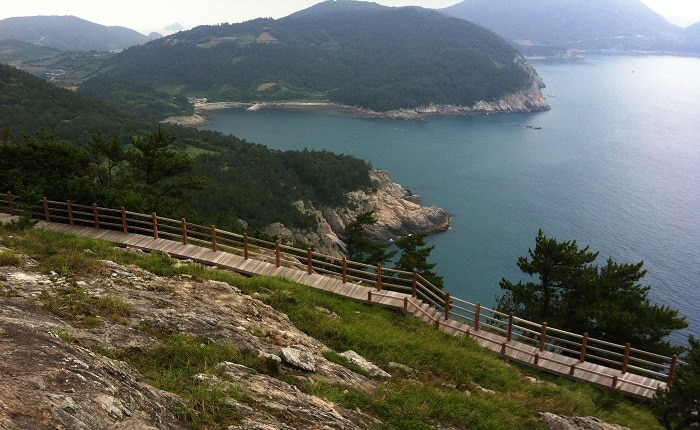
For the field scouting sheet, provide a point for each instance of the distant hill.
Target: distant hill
(589, 25)
(69, 33)
(693, 35)
(348, 52)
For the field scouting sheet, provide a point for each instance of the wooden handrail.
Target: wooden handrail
(546, 338)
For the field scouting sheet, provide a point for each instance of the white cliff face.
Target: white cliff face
(398, 213)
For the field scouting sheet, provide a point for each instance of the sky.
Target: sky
(146, 16)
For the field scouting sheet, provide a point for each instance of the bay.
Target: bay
(615, 164)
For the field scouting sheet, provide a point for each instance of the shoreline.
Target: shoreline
(503, 106)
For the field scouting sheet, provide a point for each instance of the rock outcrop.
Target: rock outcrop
(51, 378)
(54, 375)
(559, 422)
(398, 213)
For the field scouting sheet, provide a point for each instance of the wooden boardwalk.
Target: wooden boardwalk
(627, 383)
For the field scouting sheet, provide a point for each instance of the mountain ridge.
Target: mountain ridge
(70, 33)
(537, 26)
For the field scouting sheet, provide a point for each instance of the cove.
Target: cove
(615, 164)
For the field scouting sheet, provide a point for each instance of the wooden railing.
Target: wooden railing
(480, 320)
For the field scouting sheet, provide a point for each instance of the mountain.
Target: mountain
(545, 26)
(69, 33)
(346, 52)
(693, 35)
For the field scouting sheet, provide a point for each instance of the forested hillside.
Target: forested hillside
(352, 53)
(61, 145)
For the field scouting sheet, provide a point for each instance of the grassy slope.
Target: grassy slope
(435, 394)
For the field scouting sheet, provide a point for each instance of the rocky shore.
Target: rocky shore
(529, 99)
(398, 212)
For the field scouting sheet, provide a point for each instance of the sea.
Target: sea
(614, 165)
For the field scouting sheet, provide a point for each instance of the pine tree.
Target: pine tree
(414, 256)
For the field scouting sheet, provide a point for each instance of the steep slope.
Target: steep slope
(351, 53)
(574, 24)
(70, 33)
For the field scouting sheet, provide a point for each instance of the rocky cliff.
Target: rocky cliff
(398, 213)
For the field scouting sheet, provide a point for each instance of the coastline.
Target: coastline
(529, 100)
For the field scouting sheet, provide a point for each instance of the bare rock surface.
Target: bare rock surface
(50, 383)
(559, 422)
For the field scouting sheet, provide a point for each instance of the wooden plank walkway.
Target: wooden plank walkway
(631, 384)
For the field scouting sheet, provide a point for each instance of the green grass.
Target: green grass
(9, 258)
(441, 389)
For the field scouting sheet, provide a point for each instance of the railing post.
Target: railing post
(96, 215)
(345, 270)
(626, 359)
(405, 304)
(369, 295)
(414, 288)
(310, 261)
(448, 305)
(543, 336)
(510, 327)
(379, 277)
(184, 231)
(672, 370)
(477, 316)
(11, 203)
(47, 216)
(69, 204)
(125, 227)
(245, 246)
(213, 237)
(584, 345)
(154, 220)
(278, 254)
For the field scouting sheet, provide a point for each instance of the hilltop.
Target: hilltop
(348, 53)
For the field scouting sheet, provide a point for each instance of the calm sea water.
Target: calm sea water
(615, 165)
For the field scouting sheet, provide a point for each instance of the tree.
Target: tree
(575, 295)
(161, 168)
(414, 256)
(359, 247)
(678, 407)
(106, 156)
(559, 265)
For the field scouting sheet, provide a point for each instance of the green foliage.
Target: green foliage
(359, 247)
(74, 303)
(374, 57)
(126, 163)
(678, 407)
(130, 96)
(434, 393)
(575, 295)
(414, 256)
(172, 365)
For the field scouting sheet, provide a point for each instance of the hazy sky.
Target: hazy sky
(153, 15)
